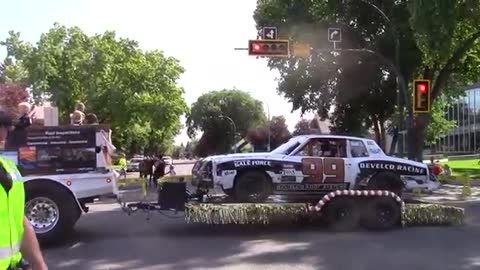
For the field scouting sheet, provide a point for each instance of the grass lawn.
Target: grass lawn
(469, 168)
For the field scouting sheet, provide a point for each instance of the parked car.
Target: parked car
(168, 160)
(133, 165)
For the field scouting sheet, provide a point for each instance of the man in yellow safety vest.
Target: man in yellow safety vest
(17, 238)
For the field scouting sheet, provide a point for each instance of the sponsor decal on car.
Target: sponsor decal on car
(228, 172)
(247, 163)
(288, 172)
(391, 166)
(297, 187)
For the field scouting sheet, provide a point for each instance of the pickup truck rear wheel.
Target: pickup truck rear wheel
(252, 187)
(51, 210)
(386, 181)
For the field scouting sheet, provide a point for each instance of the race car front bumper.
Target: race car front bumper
(429, 185)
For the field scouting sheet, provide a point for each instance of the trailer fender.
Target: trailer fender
(356, 193)
(58, 184)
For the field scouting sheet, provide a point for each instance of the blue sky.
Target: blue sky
(171, 26)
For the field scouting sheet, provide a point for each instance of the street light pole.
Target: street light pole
(401, 83)
(269, 126)
(234, 130)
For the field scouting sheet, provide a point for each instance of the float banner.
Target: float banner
(65, 136)
(57, 150)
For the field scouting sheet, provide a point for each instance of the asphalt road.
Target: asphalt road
(107, 238)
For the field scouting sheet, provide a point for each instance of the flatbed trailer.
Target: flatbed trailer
(341, 210)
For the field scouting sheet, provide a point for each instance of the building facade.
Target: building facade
(465, 137)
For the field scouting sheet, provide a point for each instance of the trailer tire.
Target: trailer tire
(386, 181)
(342, 214)
(252, 179)
(51, 210)
(381, 213)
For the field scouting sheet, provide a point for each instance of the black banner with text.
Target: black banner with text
(54, 150)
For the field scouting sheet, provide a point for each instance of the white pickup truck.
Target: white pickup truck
(64, 168)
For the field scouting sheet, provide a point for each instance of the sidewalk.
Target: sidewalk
(446, 194)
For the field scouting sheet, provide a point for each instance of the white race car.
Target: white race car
(311, 165)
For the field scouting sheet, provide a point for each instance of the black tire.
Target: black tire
(229, 192)
(252, 187)
(386, 181)
(342, 214)
(381, 213)
(57, 197)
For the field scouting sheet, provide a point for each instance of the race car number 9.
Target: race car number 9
(332, 169)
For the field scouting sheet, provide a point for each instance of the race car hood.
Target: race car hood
(408, 162)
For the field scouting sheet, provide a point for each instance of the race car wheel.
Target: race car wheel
(229, 192)
(252, 187)
(381, 213)
(342, 214)
(386, 181)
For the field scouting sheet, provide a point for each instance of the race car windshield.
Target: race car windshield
(286, 148)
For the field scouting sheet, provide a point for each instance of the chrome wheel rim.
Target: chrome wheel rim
(43, 214)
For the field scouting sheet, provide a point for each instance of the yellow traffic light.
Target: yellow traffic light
(421, 96)
(301, 50)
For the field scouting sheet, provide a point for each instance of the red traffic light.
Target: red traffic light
(421, 96)
(269, 47)
(257, 47)
(422, 88)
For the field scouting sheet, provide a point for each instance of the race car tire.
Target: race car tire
(381, 213)
(342, 214)
(252, 183)
(229, 192)
(386, 181)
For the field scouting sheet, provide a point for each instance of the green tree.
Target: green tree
(221, 114)
(305, 126)
(302, 127)
(132, 90)
(438, 41)
(178, 151)
(279, 134)
(439, 126)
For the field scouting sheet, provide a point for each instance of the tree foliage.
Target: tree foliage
(279, 134)
(222, 116)
(306, 126)
(437, 41)
(11, 95)
(439, 125)
(134, 91)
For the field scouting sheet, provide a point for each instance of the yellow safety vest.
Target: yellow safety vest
(11, 217)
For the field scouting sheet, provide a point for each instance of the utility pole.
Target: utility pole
(234, 130)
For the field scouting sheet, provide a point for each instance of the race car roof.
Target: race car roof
(313, 136)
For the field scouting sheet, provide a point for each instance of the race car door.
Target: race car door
(323, 165)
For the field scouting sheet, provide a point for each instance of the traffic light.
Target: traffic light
(421, 96)
(268, 48)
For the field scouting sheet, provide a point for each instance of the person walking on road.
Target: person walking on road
(123, 166)
(17, 237)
